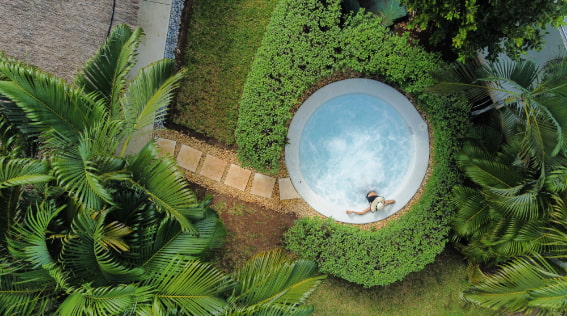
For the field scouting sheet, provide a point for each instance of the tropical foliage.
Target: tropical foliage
(91, 226)
(468, 26)
(513, 208)
(516, 159)
(307, 43)
(527, 284)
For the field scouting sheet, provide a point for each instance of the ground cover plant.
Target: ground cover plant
(221, 43)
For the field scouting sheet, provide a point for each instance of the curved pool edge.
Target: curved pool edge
(418, 130)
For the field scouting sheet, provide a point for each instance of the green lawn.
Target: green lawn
(222, 41)
(434, 291)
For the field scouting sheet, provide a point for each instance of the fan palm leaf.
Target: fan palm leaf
(105, 74)
(48, 102)
(151, 90)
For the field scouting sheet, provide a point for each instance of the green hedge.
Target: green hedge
(405, 245)
(303, 44)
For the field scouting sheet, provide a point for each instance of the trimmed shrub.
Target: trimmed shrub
(306, 43)
(303, 44)
(406, 245)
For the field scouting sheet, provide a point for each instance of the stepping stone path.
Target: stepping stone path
(236, 177)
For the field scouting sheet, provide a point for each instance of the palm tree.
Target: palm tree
(509, 156)
(534, 96)
(526, 284)
(89, 228)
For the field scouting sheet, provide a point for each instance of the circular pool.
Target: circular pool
(351, 137)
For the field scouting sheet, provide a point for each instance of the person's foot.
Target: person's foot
(349, 212)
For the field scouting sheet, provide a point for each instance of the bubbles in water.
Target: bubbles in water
(353, 144)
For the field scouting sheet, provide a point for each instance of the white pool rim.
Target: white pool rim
(417, 127)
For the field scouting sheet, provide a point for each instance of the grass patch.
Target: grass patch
(433, 291)
(222, 41)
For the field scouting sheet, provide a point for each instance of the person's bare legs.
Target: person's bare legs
(388, 202)
(364, 211)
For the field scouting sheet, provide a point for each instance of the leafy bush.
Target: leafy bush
(406, 245)
(304, 44)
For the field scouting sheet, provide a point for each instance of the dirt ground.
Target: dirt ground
(251, 228)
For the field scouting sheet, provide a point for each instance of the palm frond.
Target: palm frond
(491, 173)
(116, 300)
(160, 180)
(274, 278)
(106, 73)
(77, 171)
(190, 287)
(555, 77)
(523, 74)
(14, 174)
(149, 92)
(83, 168)
(462, 78)
(512, 288)
(24, 298)
(49, 103)
(17, 172)
(169, 240)
(85, 254)
(27, 240)
(472, 212)
(11, 141)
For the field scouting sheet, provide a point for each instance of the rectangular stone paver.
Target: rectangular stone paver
(263, 185)
(167, 146)
(213, 167)
(237, 177)
(287, 191)
(189, 157)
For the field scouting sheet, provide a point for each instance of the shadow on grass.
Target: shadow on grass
(434, 291)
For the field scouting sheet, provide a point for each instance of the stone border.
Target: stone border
(416, 124)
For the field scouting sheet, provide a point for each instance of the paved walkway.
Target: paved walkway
(206, 165)
(153, 18)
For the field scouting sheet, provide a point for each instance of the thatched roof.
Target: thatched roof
(59, 36)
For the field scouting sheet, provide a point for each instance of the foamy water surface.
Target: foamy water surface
(352, 144)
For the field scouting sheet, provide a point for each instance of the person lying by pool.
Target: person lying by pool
(377, 203)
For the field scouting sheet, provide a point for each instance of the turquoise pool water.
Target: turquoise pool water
(353, 136)
(352, 144)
